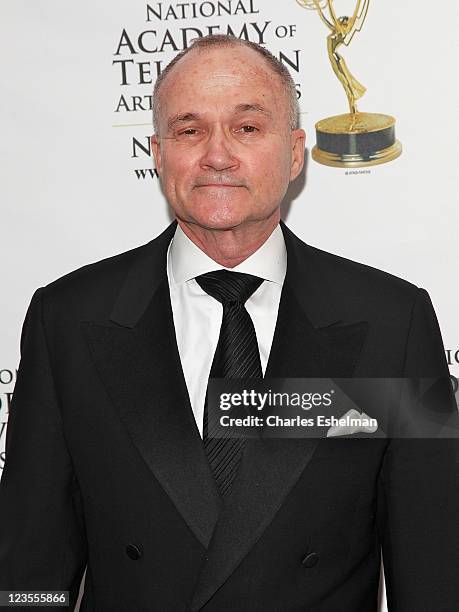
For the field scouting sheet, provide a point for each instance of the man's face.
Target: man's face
(225, 151)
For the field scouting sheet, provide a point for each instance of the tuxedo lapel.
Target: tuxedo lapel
(138, 361)
(271, 467)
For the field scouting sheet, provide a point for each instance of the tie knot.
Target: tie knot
(226, 286)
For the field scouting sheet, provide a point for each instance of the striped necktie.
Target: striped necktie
(236, 356)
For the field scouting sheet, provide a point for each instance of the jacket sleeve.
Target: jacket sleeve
(418, 490)
(42, 539)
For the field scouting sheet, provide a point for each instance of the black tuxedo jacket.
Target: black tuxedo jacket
(105, 466)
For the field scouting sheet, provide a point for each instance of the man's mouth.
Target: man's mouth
(218, 185)
(217, 182)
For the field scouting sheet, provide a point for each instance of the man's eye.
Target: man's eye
(188, 132)
(248, 129)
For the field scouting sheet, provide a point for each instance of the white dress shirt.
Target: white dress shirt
(198, 316)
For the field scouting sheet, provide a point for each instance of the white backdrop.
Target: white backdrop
(77, 182)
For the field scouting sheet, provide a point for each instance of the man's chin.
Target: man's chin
(219, 224)
(220, 219)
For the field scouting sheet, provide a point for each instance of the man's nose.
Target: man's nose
(218, 151)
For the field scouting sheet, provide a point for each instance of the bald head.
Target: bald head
(205, 49)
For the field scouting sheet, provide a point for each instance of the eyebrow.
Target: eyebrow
(257, 108)
(239, 108)
(181, 118)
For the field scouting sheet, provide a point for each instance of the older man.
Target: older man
(109, 461)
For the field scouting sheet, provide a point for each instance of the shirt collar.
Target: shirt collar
(186, 260)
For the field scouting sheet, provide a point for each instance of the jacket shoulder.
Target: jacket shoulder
(354, 274)
(345, 280)
(95, 277)
(90, 292)
(356, 290)
(106, 276)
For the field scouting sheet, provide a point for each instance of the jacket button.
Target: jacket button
(310, 560)
(134, 551)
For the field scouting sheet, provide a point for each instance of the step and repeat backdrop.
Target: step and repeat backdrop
(77, 179)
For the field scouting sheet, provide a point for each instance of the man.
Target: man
(108, 462)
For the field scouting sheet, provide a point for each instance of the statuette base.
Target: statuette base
(356, 141)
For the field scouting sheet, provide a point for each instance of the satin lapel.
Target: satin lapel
(139, 364)
(271, 467)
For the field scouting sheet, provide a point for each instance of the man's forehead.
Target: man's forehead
(214, 84)
(197, 115)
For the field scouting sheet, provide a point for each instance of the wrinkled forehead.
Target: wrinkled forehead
(214, 81)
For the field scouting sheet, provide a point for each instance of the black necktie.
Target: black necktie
(236, 356)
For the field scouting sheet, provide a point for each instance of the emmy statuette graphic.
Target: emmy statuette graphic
(355, 139)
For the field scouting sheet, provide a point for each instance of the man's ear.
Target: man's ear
(156, 152)
(298, 141)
